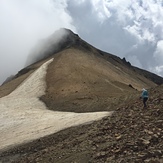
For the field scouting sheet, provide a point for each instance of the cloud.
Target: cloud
(119, 26)
(101, 10)
(23, 23)
(158, 70)
(130, 29)
(47, 46)
(158, 56)
(159, 49)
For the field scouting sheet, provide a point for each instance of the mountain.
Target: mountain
(69, 83)
(82, 73)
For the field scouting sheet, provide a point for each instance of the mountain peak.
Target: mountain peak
(69, 79)
(64, 39)
(59, 40)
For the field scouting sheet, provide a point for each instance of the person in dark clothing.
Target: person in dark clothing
(144, 96)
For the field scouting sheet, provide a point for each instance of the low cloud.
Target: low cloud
(47, 46)
(23, 24)
(130, 29)
(159, 52)
(119, 26)
(158, 70)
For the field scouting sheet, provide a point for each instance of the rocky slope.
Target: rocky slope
(132, 134)
(83, 79)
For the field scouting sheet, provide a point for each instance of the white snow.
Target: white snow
(23, 117)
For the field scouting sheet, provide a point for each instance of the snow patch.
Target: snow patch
(24, 117)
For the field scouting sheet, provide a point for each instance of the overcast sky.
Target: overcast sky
(126, 28)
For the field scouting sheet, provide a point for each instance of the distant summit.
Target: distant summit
(64, 39)
(59, 40)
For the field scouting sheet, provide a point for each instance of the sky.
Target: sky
(126, 28)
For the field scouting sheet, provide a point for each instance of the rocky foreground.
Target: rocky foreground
(131, 134)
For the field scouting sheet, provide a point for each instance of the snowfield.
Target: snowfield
(23, 117)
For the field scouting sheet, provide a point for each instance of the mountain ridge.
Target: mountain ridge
(81, 79)
(70, 39)
(86, 73)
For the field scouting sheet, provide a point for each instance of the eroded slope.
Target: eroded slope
(80, 81)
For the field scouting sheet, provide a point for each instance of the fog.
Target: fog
(130, 29)
(22, 25)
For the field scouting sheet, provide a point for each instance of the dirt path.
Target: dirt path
(24, 117)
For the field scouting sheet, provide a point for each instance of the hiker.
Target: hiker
(144, 96)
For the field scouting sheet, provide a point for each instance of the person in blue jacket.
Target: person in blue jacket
(144, 96)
